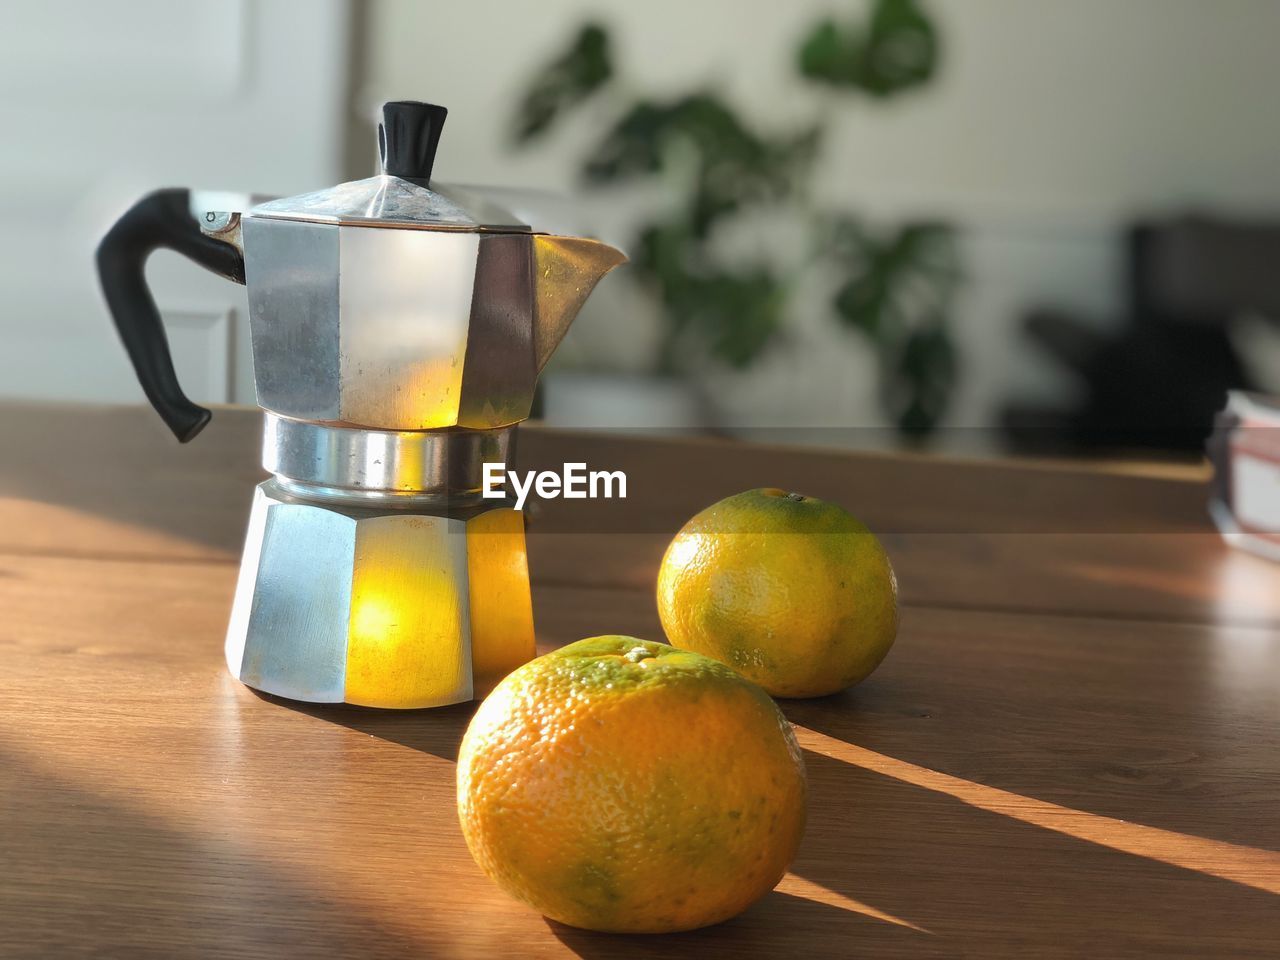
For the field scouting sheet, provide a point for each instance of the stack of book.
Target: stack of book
(1245, 450)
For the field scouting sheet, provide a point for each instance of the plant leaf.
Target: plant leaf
(892, 278)
(830, 54)
(919, 379)
(566, 81)
(896, 50)
(734, 165)
(632, 147)
(898, 290)
(733, 314)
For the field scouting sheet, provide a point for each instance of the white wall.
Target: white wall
(102, 102)
(1054, 123)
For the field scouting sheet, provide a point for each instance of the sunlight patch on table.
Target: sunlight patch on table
(808, 890)
(1247, 866)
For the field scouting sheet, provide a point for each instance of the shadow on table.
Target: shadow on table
(437, 731)
(83, 876)
(208, 484)
(989, 885)
(780, 925)
(1160, 724)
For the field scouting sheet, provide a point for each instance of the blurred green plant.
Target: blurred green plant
(896, 284)
(895, 51)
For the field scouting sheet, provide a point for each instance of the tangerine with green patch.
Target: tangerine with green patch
(791, 591)
(627, 786)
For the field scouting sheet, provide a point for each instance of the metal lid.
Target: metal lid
(389, 201)
(403, 196)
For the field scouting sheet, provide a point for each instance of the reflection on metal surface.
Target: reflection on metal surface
(242, 606)
(219, 214)
(295, 643)
(501, 608)
(389, 304)
(395, 609)
(499, 373)
(566, 270)
(389, 201)
(430, 465)
(409, 329)
(404, 308)
(291, 271)
(409, 642)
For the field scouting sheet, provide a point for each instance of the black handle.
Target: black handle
(160, 219)
(407, 138)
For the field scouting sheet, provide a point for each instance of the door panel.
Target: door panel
(102, 102)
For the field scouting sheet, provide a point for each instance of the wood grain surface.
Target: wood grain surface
(1071, 751)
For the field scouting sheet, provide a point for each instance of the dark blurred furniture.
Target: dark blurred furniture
(1156, 381)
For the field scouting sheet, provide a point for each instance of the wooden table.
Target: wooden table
(1071, 751)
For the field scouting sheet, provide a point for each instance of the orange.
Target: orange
(791, 591)
(622, 785)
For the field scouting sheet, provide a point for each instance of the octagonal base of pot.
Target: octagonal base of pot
(393, 609)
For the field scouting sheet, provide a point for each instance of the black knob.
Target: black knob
(407, 138)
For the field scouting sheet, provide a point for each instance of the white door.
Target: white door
(101, 102)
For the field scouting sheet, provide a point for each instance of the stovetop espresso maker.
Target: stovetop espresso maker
(398, 328)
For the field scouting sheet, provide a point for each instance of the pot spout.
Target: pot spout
(566, 270)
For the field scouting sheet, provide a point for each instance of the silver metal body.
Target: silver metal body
(297, 601)
(387, 305)
(380, 468)
(373, 573)
(398, 331)
(391, 201)
(371, 327)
